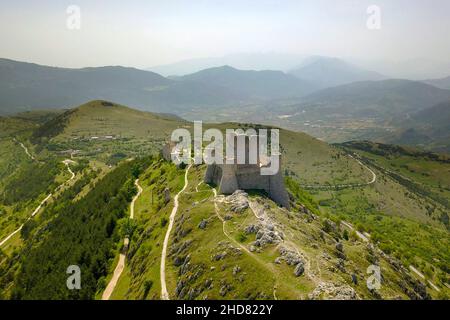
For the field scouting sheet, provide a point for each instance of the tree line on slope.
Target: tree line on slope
(83, 233)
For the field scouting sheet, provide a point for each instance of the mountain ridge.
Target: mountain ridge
(327, 72)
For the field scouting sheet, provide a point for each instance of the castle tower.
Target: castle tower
(234, 175)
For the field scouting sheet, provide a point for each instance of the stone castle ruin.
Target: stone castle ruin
(231, 176)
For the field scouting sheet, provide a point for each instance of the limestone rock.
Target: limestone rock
(291, 257)
(332, 291)
(299, 269)
(251, 229)
(220, 256)
(238, 201)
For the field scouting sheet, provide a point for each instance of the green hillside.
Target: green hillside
(353, 205)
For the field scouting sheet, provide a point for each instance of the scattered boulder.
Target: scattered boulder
(354, 279)
(208, 283)
(166, 195)
(178, 261)
(224, 289)
(202, 225)
(340, 247)
(299, 269)
(179, 289)
(329, 226)
(252, 228)
(341, 265)
(220, 256)
(185, 265)
(236, 270)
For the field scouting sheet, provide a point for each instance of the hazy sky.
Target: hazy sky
(146, 33)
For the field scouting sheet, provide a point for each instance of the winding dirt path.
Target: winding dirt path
(344, 186)
(25, 149)
(242, 247)
(164, 293)
(40, 205)
(122, 257)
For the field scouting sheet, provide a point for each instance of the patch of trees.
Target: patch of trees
(51, 128)
(299, 196)
(83, 233)
(30, 181)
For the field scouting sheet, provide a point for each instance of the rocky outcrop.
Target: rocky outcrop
(265, 236)
(292, 258)
(238, 201)
(331, 291)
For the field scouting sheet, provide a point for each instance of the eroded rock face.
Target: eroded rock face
(331, 291)
(238, 201)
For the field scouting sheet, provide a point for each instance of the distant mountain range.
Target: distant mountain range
(27, 86)
(325, 88)
(377, 98)
(243, 61)
(430, 126)
(255, 84)
(324, 72)
(443, 83)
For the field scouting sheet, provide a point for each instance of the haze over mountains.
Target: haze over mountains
(405, 68)
(243, 61)
(327, 72)
(258, 84)
(325, 88)
(25, 86)
(378, 98)
(443, 83)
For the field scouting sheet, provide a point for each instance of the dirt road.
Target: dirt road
(164, 293)
(39, 206)
(122, 257)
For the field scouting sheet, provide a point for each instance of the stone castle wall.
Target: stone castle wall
(232, 177)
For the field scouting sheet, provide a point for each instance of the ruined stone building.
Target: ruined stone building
(167, 150)
(247, 176)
